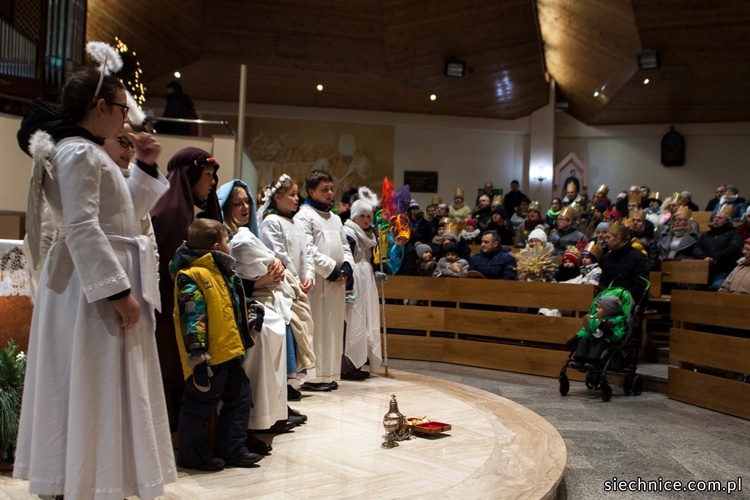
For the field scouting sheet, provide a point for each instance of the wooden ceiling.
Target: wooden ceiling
(389, 55)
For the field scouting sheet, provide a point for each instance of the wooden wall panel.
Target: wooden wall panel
(708, 391)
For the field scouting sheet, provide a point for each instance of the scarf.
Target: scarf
(363, 239)
(323, 207)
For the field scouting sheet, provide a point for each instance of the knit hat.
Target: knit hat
(472, 223)
(572, 254)
(731, 187)
(413, 204)
(421, 249)
(602, 226)
(538, 234)
(360, 207)
(451, 248)
(610, 304)
(500, 210)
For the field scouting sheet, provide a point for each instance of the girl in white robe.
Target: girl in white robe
(94, 421)
(362, 340)
(274, 287)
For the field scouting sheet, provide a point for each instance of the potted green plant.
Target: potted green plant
(12, 372)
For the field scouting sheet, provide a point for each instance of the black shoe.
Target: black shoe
(316, 386)
(214, 464)
(295, 416)
(256, 445)
(355, 375)
(293, 394)
(591, 366)
(246, 460)
(279, 427)
(574, 364)
(333, 385)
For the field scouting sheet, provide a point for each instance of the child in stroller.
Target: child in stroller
(601, 329)
(606, 344)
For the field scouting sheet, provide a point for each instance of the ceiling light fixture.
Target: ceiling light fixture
(177, 74)
(649, 59)
(320, 88)
(433, 97)
(455, 68)
(646, 81)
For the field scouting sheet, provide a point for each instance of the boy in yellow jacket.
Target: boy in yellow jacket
(211, 322)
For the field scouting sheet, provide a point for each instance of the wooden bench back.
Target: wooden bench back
(491, 292)
(486, 323)
(689, 271)
(702, 218)
(705, 359)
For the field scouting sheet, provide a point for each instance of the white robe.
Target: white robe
(325, 236)
(363, 316)
(287, 240)
(265, 364)
(93, 421)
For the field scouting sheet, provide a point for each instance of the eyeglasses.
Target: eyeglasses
(206, 161)
(122, 106)
(124, 143)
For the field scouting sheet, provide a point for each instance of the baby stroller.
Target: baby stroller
(619, 357)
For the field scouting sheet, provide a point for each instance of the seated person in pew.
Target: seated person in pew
(600, 330)
(720, 246)
(738, 280)
(451, 266)
(494, 261)
(426, 262)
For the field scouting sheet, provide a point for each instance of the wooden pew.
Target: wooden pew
(702, 218)
(705, 357)
(688, 272)
(483, 323)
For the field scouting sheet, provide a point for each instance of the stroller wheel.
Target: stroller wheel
(589, 380)
(606, 392)
(627, 385)
(637, 385)
(564, 385)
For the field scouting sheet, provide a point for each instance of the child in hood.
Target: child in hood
(451, 265)
(600, 330)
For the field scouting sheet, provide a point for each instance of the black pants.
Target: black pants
(229, 385)
(589, 350)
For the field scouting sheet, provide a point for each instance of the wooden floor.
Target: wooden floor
(496, 449)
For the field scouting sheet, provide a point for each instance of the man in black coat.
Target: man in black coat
(721, 246)
(513, 198)
(623, 265)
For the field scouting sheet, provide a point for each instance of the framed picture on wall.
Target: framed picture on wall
(421, 181)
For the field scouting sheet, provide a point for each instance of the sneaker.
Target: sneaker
(214, 464)
(246, 460)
